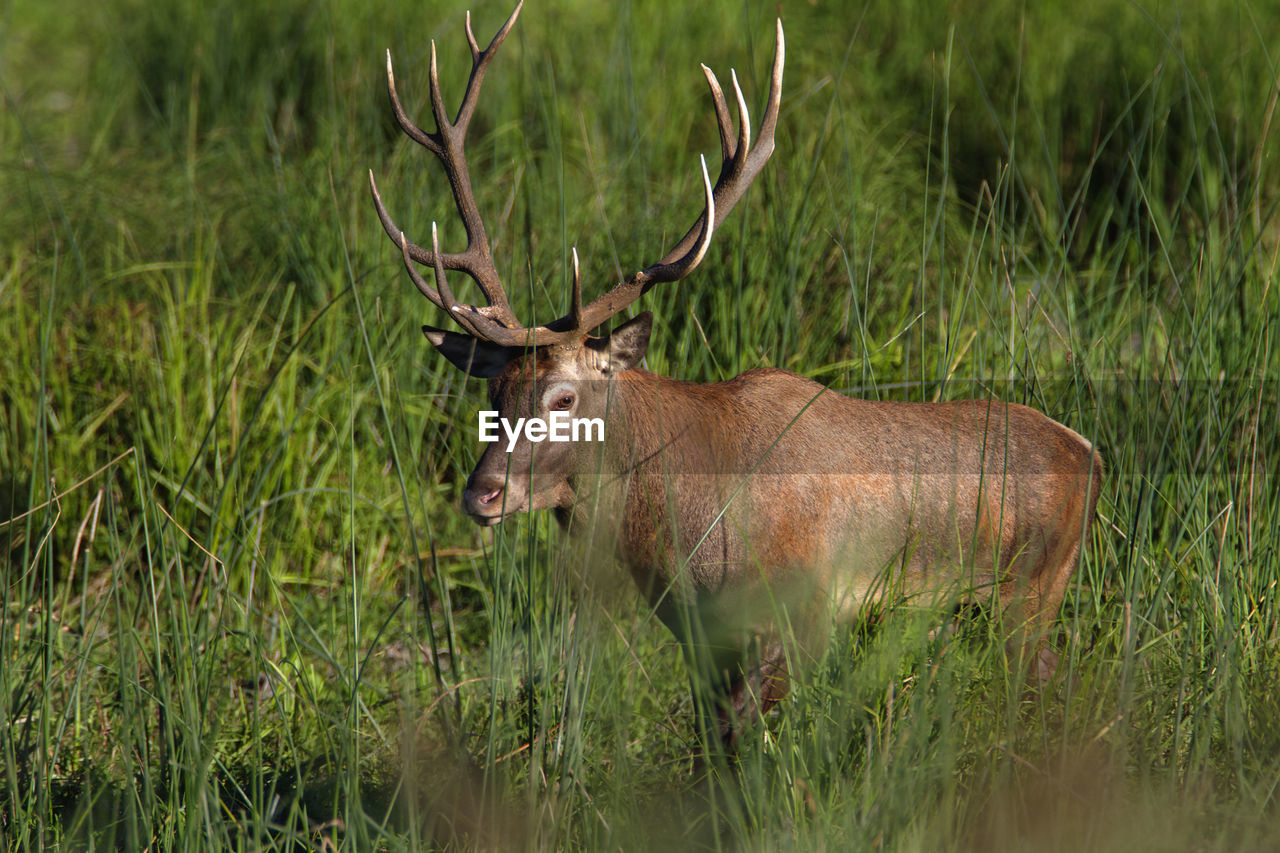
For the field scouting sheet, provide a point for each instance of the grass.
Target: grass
(241, 610)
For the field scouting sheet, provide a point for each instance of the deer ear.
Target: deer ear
(623, 348)
(472, 356)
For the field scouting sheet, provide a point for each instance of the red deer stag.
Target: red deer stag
(737, 505)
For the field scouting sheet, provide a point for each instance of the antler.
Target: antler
(447, 143)
(740, 163)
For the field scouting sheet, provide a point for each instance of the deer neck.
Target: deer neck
(658, 430)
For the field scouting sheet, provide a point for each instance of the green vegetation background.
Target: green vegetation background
(240, 608)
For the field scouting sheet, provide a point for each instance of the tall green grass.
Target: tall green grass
(240, 609)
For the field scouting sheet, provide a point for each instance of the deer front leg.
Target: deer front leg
(760, 684)
(732, 690)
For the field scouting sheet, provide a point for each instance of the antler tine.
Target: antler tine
(394, 232)
(446, 132)
(451, 306)
(741, 162)
(418, 281)
(684, 265)
(575, 306)
(763, 150)
(471, 36)
(480, 60)
(441, 298)
(744, 126)
(417, 134)
(442, 284)
(448, 142)
(724, 122)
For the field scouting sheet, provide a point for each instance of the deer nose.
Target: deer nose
(483, 500)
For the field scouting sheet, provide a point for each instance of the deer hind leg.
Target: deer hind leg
(1033, 600)
(1061, 556)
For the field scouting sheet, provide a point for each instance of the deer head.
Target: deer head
(556, 367)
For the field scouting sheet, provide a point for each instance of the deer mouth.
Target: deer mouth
(489, 520)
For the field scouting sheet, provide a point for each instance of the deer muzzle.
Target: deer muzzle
(489, 500)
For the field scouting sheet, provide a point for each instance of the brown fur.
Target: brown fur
(735, 503)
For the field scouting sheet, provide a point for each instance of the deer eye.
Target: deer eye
(563, 402)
